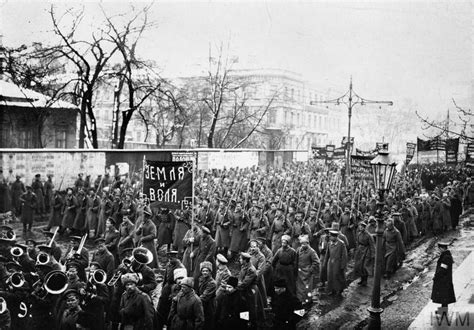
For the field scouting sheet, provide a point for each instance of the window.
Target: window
(292, 118)
(60, 142)
(286, 116)
(272, 116)
(298, 122)
(23, 138)
(292, 93)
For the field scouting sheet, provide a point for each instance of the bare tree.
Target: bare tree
(90, 58)
(448, 127)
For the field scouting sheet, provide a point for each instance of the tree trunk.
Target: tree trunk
(82, 125)
(123, 129)
(212, 130)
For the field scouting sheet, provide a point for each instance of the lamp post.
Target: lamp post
(383, 170)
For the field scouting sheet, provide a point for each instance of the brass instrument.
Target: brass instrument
(3, 305)
(55, 282)
(99, 276)
(16, 252)
(81, 245)
(71, 254)
(7, 234)
(16, 280)
(42, 259)
(140, 255)
(50, 244)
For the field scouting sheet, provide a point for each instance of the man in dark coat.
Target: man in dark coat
(364, 254)
(207, 293)
(17, 189)
(28, 201)
(206, 252)
(229, 307)
(104, 258)
(394, 249)
(166, 223)
(146, 236)
(186, 309)
(284, 263)
(38, 189)
(443, 290)
(136, 309)
(336, 264)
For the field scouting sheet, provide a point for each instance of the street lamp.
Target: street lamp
(383, 170)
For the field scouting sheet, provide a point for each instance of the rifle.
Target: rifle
(61, 183)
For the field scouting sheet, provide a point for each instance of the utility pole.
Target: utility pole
(350, 99)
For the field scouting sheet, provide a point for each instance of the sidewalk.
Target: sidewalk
(460, 315)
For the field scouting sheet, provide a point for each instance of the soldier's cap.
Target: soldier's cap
(258, 206)
(18, 176)
(32, 241)
(254, 198)
(253, 240)
(363, 223)
(28, 188)
(179, 273)
(303, 239)
(286, 238)
(299, 212)
(245, 255)
(206, 230)
(222, 259)
(129, 277)
(44, 248)
(372, 219)
(112, 220)
(71, 292)
(95, 263)
(443, 244)
(396, 214)
(262, 240)
(72, 264)
(100, 240)
(280, 283)
(205, 264)
(233, 281)
(75, 238)
(335, 226)
(147, 211)
(334, 232)
(188, 281)
(172, 252)
(37, 175)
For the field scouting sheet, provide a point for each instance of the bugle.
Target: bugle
(99, 277)
(42, 259)
(123, 268)
(16, 279)
(16, 251)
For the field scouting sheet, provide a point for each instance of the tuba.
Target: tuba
(16, 252)
(99, 276)
(7, 234)
(42, 258)
(142, 256)
(55, 282)
(16, 280)
(3, 305)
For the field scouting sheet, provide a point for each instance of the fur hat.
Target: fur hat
(188, 281)
(129, 277)
(205, 264)
(180, 273)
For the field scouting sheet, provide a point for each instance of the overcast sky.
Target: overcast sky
(399, 51)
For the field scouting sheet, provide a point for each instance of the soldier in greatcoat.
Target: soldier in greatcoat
(166, 222)
(206, 251)
(182, 225)
(92, 213)
(239, 228)
(28, 201)
(38, 189)
(17, 189)
(364, 254)
(279, 227)
(125, 237)
(186, 309)
(136, 309)
(222, 228)
(146, 236)
(48, 193)
(394, 249)
(207, 294)
(104, 258)
(284, 264)
(307, 265)
(336, 257)
(443, 289)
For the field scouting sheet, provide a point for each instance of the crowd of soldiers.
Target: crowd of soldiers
(252, 252)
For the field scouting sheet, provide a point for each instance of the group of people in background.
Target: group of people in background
(257, 247)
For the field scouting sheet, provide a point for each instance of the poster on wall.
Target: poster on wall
(168, 184)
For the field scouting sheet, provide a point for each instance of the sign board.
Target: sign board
(410, 152)
(452, 147)
(470, 154)
(318, 152)
(185, 156)
(360, 167)
(168, 184)
(381, 146)
(330, 151)
(339, 153)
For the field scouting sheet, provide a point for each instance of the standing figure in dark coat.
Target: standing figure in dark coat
(165, 227)
(222, 224)
(182, 225)
(28, 201)
(191, 241)
(92, 213)
(17, 189)
(186, 309)
(443, 290)
(205, 252)
(239, 230)
(147, 235)
(125, 239)
(111, 240)
(336, 262)
(48, 193)
(364, 254)
(207, 293)
(229, 307)
(38, 189)
(56, 215)
(456, 209)
(393, 247)
(136, 309)
(79, 225)
(284, 263)
(446, 213)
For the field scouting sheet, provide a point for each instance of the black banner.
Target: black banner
(410, 152)
(452, 148)
(339, 153)
(423, 145)
(434, 144)
(319, 152)
(330, 151)
(470, 154)
(360, 167)
(168, 184)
